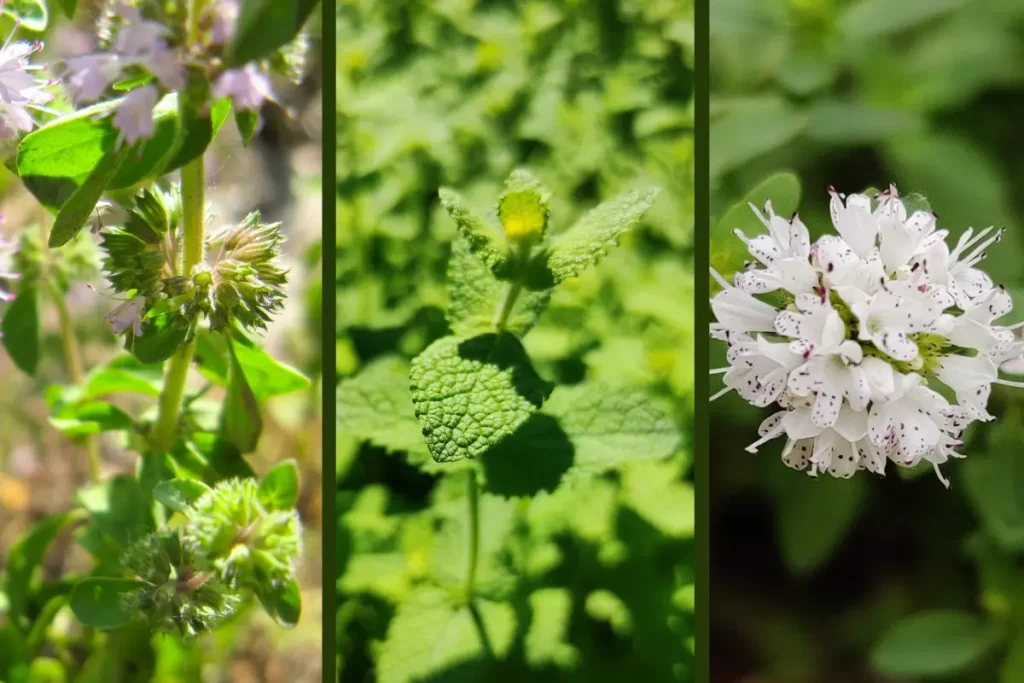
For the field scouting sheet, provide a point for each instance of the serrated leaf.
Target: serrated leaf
(376, 406)
(279, 487)
(99, 602)
(483, 239)
(474, 295)
(430, 635)
(179, 494)
(20, 330)
(74, 213)
(935, 643)
(610, 426)
(589, 238)
(470, 394)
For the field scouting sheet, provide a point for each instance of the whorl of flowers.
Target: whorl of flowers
(862, 329)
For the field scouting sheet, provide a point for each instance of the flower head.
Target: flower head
(20, 89)
(870, 319)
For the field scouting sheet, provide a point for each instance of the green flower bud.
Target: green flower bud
(249, 546)
(184, 593)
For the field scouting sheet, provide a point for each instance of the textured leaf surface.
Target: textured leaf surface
(474, 295)
(589, 238)
(375, 405)
(484, 240)
(430, 635)
(610, 426)
(470, 394)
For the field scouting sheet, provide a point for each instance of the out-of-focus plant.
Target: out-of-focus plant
(193, 537)
(571, 577)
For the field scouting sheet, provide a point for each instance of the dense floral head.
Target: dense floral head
(239, 283)
(851, 335)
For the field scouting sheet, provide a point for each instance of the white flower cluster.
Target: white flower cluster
(867, 324)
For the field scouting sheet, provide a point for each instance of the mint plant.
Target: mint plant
(111, 144)
(477, 579)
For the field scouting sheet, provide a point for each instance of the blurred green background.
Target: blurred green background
(869, 579)
(595, 97)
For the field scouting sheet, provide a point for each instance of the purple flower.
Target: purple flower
(134, 118)
(128, 315)
(20, 89)
(90, 75)
(225, 18)
(247, 87)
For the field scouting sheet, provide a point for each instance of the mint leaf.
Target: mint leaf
(589, 238)
(470, 394)
(610, 426)
(934, 643)
(375, 406)
(523, 207)
(474, 295)
(807, 538)
(431, 635)
(485, 242)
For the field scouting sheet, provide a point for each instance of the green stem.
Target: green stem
(507, 304)
(193, 207)
(472, 533)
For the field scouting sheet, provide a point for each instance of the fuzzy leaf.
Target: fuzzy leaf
(470, 394)
(99, 602)
(279, 487)
(483, 239)
(179, 494)
(474, 295)
(589, 238)
(431, 635)
(375, 405)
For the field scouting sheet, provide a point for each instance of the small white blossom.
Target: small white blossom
(128, 315)
(247, 87)
(134, 117)
(875, 318)
(20, 89)
(7, 272)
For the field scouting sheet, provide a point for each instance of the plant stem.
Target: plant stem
(508, 302)
(472, 532)
(193, 207)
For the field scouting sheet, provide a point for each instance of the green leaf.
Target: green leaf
(874, 18)
(267, 376)
(993, 483)
(485, 241)
(376, 406)
(91, 417)
(807, 537)
(100, 602)
(20, 329)
(283, 601)
(934, 643)
(241, 423)
(119, 508)
(279, 487)
(246, 120)
(534, 458)
(179, 494)
(200, 129)
(657, 492)
(264, 26)
(32, 14)
(162, 336)
(547, 642)
(750, 128)
(76, 210)
(431, 635)
(727, 252)
(610, 426)
(470, 394)
(24, 557)
(589, 239)
(118, 379)
(474, 295)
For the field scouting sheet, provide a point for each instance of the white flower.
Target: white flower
(873, 317)
(134, 117)
(7, 273)
(20, 89)
(247, 87)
